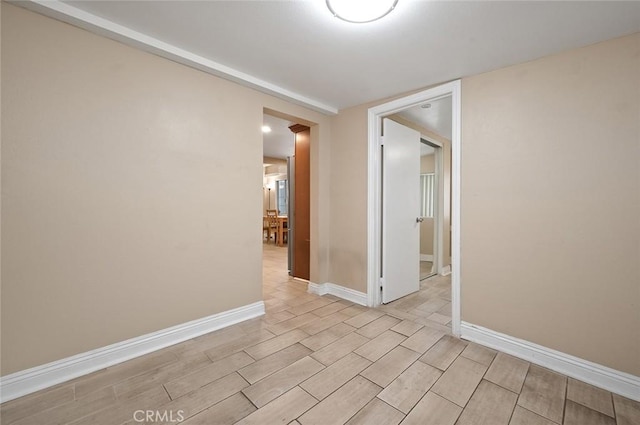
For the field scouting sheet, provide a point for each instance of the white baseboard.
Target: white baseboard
(426, 257)
(446, 271)
(348, 294)
(621, 383)
(37, 378)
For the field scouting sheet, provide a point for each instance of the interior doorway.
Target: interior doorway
(286, 192)
(377, 201)
(431, 226)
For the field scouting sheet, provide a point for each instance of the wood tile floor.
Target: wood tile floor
(322, 360)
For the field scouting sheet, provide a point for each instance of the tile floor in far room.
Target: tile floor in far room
(322, 360)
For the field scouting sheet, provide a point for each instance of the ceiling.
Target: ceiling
(279, 143)
(436, 117)
(298, 51)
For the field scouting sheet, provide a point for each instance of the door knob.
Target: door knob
(419, 219)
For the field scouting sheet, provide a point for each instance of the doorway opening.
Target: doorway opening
(286, 195)
(430, 214)
(379, 210)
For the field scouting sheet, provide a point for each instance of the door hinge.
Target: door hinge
(381, 140)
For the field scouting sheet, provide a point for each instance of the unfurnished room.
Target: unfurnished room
(319, 212)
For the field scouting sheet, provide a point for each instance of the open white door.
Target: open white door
(400, 211)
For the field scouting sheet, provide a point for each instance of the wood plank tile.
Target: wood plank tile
(124, 411)
(199, 400)
(627, 411)
(340, 406)
(508, 372)
(299, 297)
(590, 396)
(490, 404)
(291, 324)
(363, 318)
(238, 344)
(273, 363)
(280, 316)
(523, 416)
(408, 388)
(227, 412)
(207, 341)
(390, 366)
(337, 350)
(273, 386)
(326, 337)
(407, 327)
(207, 374)
(334, 376)
(543, 393)
(444, 352)
(377, 412)
(460, 381)
(380, 345)
(282, 410)
(433, 410)
(324, 323)
(432, 305)
(132, 387)
(577, 414)
(273, 345)
(354, 310)
(309, 306)
(33, 403)
(439, 318)
(479, 354)
(422, 340)
(379, 325)
(122, 371)
(69, 412)
(332, 308)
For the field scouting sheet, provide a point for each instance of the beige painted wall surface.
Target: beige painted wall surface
(551, 202)
(427, 165)
(348, 265)
(115, 164)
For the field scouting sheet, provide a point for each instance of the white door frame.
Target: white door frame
(374, 205)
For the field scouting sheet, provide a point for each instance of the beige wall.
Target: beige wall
(427, 165)
(348, 201)
(549, 246)
(551, 202)
(114, 164)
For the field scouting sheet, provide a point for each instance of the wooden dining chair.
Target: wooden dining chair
(272, 225)
(266, 228)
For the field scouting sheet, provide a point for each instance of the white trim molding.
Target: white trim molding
(93, 23)
(426, 257)
(617, 382)
(37, 378)
(348, 294)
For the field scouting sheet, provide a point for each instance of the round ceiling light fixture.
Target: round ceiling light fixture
(361, 11)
